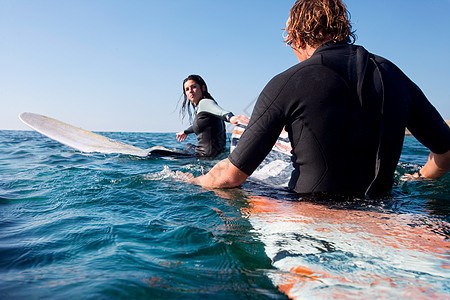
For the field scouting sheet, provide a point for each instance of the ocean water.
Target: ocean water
(96, 226)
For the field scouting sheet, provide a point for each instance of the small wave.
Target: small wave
(165, 173)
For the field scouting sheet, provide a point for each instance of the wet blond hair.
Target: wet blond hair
(314, 22)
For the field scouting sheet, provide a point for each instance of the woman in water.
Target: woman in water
(209, 118)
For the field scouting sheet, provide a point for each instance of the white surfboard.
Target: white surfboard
(87, 141)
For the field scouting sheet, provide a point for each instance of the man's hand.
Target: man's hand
(223, 175)
(437, 166)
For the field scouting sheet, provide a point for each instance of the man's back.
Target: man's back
(345, 111)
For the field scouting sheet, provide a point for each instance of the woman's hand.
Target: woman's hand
(181, 136)
(239, 119)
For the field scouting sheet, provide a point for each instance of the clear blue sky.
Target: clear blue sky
(107, 65)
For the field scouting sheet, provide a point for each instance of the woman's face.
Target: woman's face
(193, 91)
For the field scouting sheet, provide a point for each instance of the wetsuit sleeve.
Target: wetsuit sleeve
(211, 107)
(266, 124)
(189, 130)
(426, 124)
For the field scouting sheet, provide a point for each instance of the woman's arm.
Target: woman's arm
(211, 107)
(182, 135)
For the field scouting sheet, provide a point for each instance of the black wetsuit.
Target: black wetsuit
(345, 111)
(210, 128)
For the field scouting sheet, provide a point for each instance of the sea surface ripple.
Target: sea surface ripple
(96, 226)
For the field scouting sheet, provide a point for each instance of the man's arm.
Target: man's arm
(437, 165)
(223, 175)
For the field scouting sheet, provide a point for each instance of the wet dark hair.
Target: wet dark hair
(186, 105)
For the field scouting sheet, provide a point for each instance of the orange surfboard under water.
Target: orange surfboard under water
(330, 252)
(323, 252)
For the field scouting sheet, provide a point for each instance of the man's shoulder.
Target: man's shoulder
(387, 66)
(314, 60)
(298, 71)
(295, 70)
